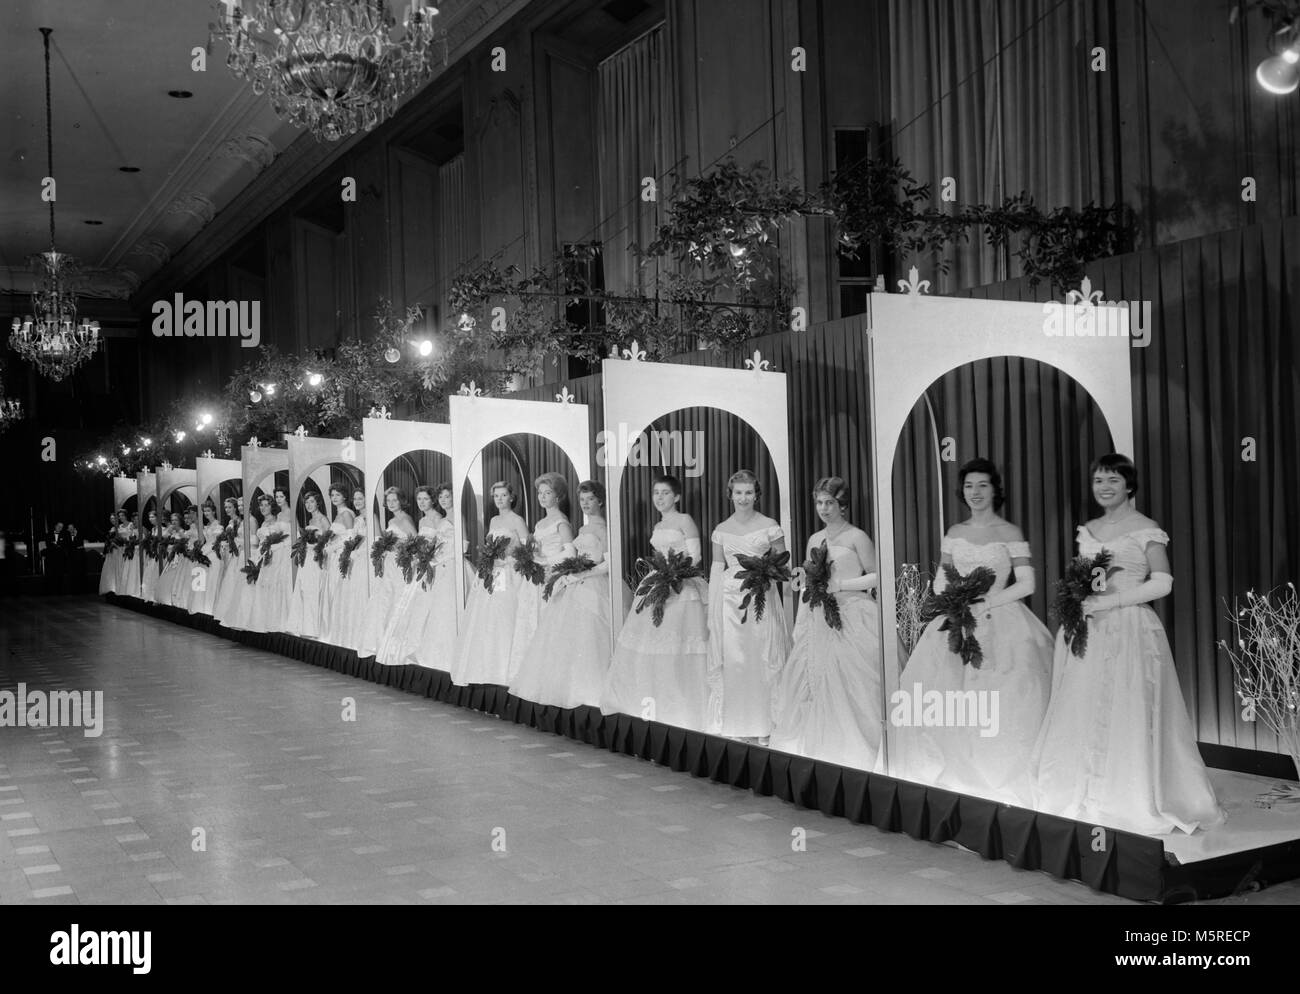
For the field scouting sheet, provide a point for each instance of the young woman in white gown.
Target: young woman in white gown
(112, 568)
(660, 673)
(232, 569)
(202, 588)
(174, 562)
(828, 701)
(347, 598)
(401, 641)
(128, 577)
(566, 662)
(484, 652)
(269, 607)
(746, 656)
(307, 599)
(1011, 686)
(552, 542)
(150, 566)
(1117, 747)
(386, 589)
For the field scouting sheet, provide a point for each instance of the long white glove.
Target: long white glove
(940, 583)
(868, 581)
(1024, 586)
(694, 550)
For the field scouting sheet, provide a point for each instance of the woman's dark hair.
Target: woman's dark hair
(744, 476)
(438, 491)
(433, 498)
(834, 487)
(595, 488)
(340, 489)
(503, 485)
(986, 467)
(1123, 465)
(670, 481)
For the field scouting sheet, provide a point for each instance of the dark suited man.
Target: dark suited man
(74, 558)
(56, 559)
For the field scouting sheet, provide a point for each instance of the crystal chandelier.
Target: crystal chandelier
(51, 338)
(330, 66)
(11, 411)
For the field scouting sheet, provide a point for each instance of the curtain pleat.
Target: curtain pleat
(453, 221)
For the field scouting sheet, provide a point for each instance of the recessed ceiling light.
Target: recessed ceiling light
(92, 222)
(128, 169)
(180, 94)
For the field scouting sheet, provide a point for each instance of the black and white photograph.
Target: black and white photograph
(651, 452)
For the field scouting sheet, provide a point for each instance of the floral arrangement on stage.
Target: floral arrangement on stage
(384, 544)
(909, 603)
(666, 576)
(954, 606)
(251, 570)
(573, 566)
(298, 554)
(268, 544)
(527, 566)
(491, 551)
(1072, 590)
(757, 573)
(1265, 654)
(415, 558)
(817, 577)
(319, 545)
(345, 554)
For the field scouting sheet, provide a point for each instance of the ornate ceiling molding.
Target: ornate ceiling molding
(257, 150)
(471, 22)
(111, 284)
(194, 205)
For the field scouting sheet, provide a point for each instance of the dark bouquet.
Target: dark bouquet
(149, 546)
(384, 544)
(490, 552)
(250, 570)
(229, 539)
(666, 576)
(318, 547)
(527, 566)
(953, 605)
(128, 550)
(269, 543)
(116, 540)
(195, 554)
(173, 545)
(1075, 588)
(817, 575)
(299, 551)
(756, 574)
(345, 554)
(415, 558)
(572, 566)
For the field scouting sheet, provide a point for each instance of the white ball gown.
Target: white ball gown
(385, 592)
(201, 590)
(566, 662)
(400, 643)
(485, 650)
(437, 640)
(549, 549)
(827, 703)
(270, 598)
(111, 571)
(1117, 747)
(128, 578)
(150, 571)
(345, 597)
(308, 598)
(169, 577)
(661, 673)
(1011, 689)
(233, 581)
(745, 657)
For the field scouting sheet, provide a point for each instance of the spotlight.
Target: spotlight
(147, 442)
(392, 355)
(180, 436)
(206, 418)
(270, 389)
(315, 379)
(1279, 74)
(126, 450)
(425, 348)
(255, 395)
(101, 460)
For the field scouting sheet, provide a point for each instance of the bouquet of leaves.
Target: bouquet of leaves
(128, 550)
(115, 539)
(1072, 590)
(250, 570)
(415, 559)
(318, 547)
(756, 574)
(384, 544)
(527, 566)
(953, 605)
(195, 554)
(572, 566)
(666, 576)
(345, 555)
(490, 552)
(174, 545)
(817, 575)
(269, 543)
(149, 547)
(299, 551)
(231, 542)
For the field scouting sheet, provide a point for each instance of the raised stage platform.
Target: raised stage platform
(1257, 847)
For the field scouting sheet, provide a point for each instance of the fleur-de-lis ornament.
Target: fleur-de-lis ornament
(914, 285)
(1085, 296)
(207, 454)
(758, 364)
(253, 443)
(300, 431)
(167, 466)
(470, 389)
(564, 397)
(635, 353)
(380, 413)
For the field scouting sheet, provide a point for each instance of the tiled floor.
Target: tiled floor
(226, 775)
